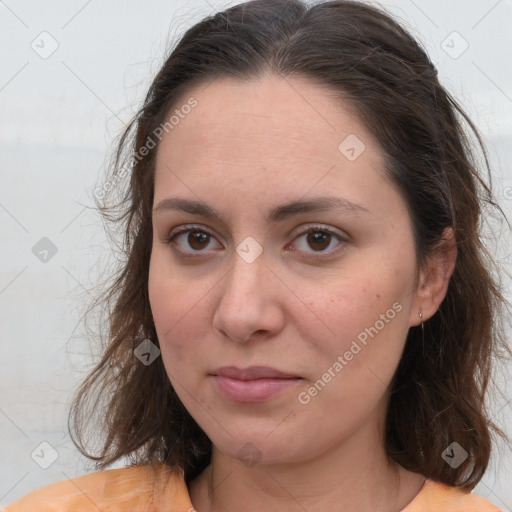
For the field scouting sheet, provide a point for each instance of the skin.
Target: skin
(244, 149)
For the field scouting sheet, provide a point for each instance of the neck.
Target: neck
(356, 476)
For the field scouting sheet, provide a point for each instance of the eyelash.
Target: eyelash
(311, 229)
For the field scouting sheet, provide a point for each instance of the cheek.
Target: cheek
(178, 304)
(367, 313)
(355, 301)
(353, 367)
(171, 300)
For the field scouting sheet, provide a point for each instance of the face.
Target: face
(325, 296)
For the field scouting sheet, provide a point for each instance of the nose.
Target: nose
(249, 302)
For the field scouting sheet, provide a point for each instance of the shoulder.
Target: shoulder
(142, 487)
(438, 497)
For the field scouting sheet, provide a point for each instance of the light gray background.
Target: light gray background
(59, 116)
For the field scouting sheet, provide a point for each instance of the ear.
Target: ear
(434, 279)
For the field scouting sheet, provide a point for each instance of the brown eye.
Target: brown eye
(190, 241)
(318, 240)
(197, 239)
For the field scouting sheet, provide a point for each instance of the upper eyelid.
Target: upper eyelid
(299, 231)
(296, 231)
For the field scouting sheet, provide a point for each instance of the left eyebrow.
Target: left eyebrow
(277, 214)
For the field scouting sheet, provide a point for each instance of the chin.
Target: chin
(265, 446)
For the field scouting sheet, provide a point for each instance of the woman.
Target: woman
(306, 319)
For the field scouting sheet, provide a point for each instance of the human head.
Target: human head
(385, 76)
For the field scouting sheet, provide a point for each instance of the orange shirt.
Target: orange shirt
(158, 488)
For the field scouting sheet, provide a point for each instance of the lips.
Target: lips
(254, 384)
(253, 373)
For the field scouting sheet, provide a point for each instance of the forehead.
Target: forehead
(270, 132)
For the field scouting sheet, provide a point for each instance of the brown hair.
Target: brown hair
(372, 63)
